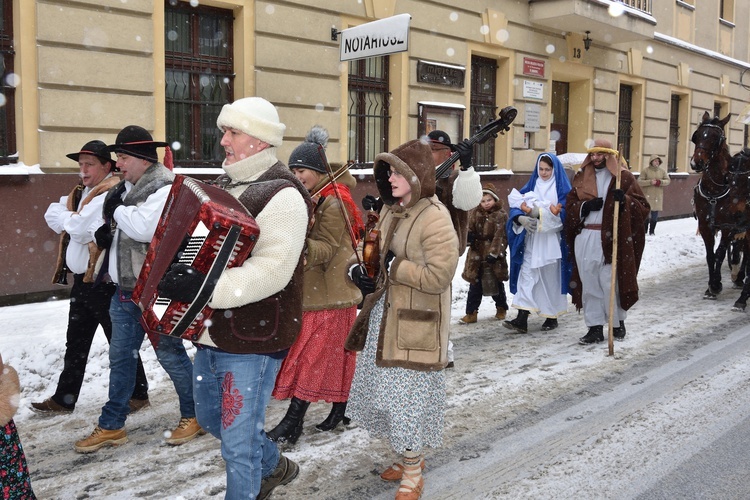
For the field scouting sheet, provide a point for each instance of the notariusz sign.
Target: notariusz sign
(385, 36)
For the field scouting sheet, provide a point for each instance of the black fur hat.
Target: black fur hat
(311, 153)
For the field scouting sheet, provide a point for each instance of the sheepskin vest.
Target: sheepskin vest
(130, 253)
(272, 324)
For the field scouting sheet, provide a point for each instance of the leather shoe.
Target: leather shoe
(284, 473)
(49, 406)
(137, 405)
(549, 324)
(595, 334)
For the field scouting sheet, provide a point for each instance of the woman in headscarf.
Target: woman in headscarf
(539, 265)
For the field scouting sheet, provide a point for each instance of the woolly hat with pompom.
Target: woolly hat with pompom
(254, 116)
(310, 153)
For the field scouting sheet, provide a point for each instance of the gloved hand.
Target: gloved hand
(534, 213)
(618, 195)
(491, 259)
(465, 151)
(103, 236)
(471, 238)
(181, 283)
(365, 284)
(656, 182)
(528, 223)
(369, 202)
(593, 205)
(388, 259)
(112, 201)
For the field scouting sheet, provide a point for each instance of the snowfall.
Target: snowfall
(499, 380)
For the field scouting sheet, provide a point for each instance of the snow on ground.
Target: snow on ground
(488, 361)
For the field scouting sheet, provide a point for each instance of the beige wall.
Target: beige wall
(91, 67)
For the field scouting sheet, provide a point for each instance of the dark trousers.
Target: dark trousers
(89, 308)
(474, 297)
(651, 219)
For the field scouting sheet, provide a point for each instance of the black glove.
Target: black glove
(618, 195)
(465, 151)
(112, 201)
(365, 284)
(388, 259)
(369, 202)
(593, 205)
(491, 259)
(103, 236)
(181, 283)
(471, 238)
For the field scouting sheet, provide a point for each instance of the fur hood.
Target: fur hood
(414, 161)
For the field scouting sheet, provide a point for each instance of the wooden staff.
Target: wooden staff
(613, 280)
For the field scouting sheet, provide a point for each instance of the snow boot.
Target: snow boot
(290, 428)
(618, 332)
(469, 318)
(500, 313)
(549, 324)
(595, 334)
(333, 419)
(520, 324)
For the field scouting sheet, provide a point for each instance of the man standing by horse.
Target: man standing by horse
(589, 229)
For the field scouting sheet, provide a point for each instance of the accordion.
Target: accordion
(202, 226)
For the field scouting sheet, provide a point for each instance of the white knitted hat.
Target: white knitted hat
(254, 116)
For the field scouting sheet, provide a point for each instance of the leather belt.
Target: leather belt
(595, 227)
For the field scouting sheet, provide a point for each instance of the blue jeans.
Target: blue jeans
(231, 395)
(127, 337)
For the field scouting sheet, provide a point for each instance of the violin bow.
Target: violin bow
(332, 180)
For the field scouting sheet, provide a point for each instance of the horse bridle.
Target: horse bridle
(714, 150)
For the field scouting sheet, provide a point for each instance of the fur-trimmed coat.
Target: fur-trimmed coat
(631, 237)
(414, 329)
(488, 229)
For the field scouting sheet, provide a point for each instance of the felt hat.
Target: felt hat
(94, 148)
(136, 141)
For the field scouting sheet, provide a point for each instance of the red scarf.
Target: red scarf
(358, 227)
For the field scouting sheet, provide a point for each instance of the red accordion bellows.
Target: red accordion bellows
(202, 226)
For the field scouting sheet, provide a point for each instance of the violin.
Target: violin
(371, 245)
(490, 130)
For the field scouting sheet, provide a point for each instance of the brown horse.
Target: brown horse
(720, 199)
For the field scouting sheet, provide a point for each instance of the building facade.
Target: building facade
(637, 72)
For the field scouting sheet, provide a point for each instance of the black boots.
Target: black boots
(549, 324)
(595, 334)
(520, 324)
(333, 419)
(618, 332)
(290, 428)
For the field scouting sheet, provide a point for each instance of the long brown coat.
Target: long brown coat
(631, 237)
(488, 228)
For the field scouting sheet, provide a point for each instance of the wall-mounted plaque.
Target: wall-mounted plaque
(441, 74)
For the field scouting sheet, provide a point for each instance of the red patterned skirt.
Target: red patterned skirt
(317, 366)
